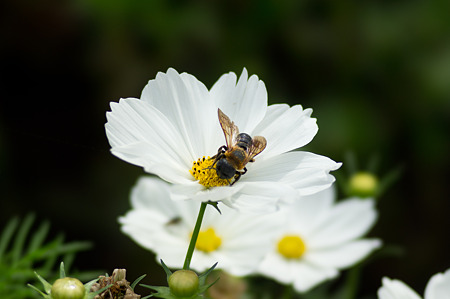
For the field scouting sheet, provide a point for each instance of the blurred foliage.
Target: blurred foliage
(375, 72)
(351, 170)
(23, 251)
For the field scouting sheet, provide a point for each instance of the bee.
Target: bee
(240, 149)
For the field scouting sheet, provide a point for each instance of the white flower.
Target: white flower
(437, 288)
(320, 237)
(237, 241)
(175, 123)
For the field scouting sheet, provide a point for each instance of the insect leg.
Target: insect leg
(220, 154)
(236, 178)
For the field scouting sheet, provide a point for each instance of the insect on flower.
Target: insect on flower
(241, 148)
(173, 132)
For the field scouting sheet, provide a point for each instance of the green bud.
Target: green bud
(183, 283)
(363, 184)
(68, 288)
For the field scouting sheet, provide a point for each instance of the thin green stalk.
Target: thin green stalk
(288, 292)
(191, 248)
(352, 281)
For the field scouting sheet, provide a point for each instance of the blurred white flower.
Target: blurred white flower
(319, 238)
(236, 241)
(437, 288)
(175, 123)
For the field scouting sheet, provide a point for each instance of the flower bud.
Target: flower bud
(183, 283)
(68, 288)
(363, 184)
(119, 274)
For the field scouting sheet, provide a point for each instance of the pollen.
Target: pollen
(208, 241)
(204, 171)
(291, 247)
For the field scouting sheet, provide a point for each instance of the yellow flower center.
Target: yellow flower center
(204, 171)
(208, 241)
(291, 247)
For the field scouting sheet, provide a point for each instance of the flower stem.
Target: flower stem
(288, 292)
(191, 248)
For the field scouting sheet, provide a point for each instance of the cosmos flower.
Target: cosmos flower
(237, 241)
(319, 238)
(437, 288)
(173, 131)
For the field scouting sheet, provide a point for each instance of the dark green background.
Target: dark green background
(376, 73)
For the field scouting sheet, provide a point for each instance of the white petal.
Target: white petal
(306, 172)
(243, 258)
(197, 192)
(244, 241)
(172, 250)
(439, 286)
(342, 256)
(347, 220)
(151, 193)
(276, 267)
(257, 197)
(245, 103)
(308, 276)
(185, 101)
(307, 213)
(286, 129)
(153, 209)
(396, 289)
(141, 135)
(141, 225)
(303, 275)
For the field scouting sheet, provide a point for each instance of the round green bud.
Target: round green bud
(68, 288)
(183, 283)
(363, 184)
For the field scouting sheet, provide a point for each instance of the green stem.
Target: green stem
(194, 237)
(288, 292)
(352, 281)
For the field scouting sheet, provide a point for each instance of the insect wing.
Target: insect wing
(230, 130)
(258, 145)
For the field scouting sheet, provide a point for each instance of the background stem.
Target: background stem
(191, 248)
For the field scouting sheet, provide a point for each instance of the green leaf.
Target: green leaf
(88, 286)
(53, 249)
(20, 238)
(47, 286)
(41, 253)
(161, 292)
(388, 180)
(71, 247)
(202, 277)
(62, 272)
(133, 285)
(39, 237)
(22, 249)
(68, 259)
(202, 280)
(203, 288)
(166, 269)
(7, 233)
(164, 292)
(39, 291)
